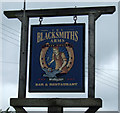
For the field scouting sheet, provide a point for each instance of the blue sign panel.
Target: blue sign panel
(57, 58)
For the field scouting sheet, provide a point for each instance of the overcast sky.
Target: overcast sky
(106, 52)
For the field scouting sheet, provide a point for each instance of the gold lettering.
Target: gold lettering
(46, 84)
(51, 40)
(39, 37)
(53, 35)
(61, 34)
(59, 40)
(46, 36)
(68, 36)
(49, 33)
(72, 35)
(57, 35)
(76, 39)
(63, 40)
(65, 33)
(55, 40)
(36, 84)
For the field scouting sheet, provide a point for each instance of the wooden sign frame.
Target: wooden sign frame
(54, 104)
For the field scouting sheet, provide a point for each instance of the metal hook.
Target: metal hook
(75, 19)
(40, 20)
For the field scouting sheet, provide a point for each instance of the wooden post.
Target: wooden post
(92, 109)
(91, 55)
(23, 58)
(20, 110)
(55, 109)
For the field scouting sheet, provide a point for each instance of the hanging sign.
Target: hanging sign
(57, 58)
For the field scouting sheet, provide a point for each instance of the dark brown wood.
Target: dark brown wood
(61, 102)
(20, 110)
(61, 12)
(97, 15)
(92, 109)
(23, 58)
(55, 109)
(91, 56)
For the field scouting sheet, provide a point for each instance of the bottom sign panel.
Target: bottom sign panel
(57, 58)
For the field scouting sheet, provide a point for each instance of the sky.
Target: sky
(106, 53)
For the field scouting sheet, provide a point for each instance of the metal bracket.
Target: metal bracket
(40, 20)
(75, 19)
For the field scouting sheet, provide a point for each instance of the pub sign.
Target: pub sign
(57, 58)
